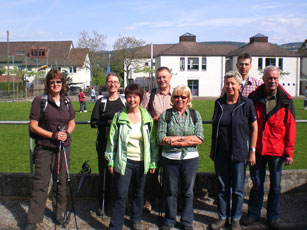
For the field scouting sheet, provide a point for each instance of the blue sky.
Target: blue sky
(157, 21)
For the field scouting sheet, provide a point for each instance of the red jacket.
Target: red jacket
(81, 96)
(277, 130)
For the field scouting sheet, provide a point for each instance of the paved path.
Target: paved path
(293, 213)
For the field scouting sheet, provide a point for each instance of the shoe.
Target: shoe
(30, 227)
(185, 227)
(147, 207)
(249, 221)
(137, 226)
(80, 111)
(60, 219)
(274, 224)
(218, 224)
(166, 227)
(85, 111)
(235, 225)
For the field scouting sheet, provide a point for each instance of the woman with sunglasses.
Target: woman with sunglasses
(52, 125)
(131, 152)
(180, 136)
(233, 119)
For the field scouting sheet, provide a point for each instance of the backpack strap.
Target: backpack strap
(193, 116)
(67, 103)
(123, 99)
(104, 102)
(151, 99)
(168, 115)
(44, 103)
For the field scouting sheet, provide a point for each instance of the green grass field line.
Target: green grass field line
(14, 140)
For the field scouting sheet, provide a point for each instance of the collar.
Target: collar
(169, 92)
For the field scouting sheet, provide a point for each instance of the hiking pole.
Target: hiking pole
(103, 189)
(57, 186)
(70, 188)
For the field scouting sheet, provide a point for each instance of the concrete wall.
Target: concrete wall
(20, 185)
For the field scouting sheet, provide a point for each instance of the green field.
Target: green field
(14, 141)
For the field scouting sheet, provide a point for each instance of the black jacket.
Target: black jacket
(242, 115)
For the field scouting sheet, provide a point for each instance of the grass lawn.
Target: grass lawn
(14, 141)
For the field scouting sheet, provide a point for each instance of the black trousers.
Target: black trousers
(46, 160)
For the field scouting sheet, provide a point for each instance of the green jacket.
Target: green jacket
(116, 152)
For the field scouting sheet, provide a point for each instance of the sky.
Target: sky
(157, 22)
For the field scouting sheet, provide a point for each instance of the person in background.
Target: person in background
(101, 118)
(157, 101)
(275, 145)
(82, 101)
(93, 95)
(180, 130)
(57, 113)
(234, 117)
(131, 152)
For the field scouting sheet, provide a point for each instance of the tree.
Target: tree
(94, 44)
(126, 52)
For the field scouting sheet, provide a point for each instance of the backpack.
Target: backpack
(168, 115)
(43, 107)
(151, 99)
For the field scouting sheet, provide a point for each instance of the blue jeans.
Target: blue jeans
(134, 170)
(93, 98)
(257, 173)
(231, 180)
(185, 170)
(82, 106)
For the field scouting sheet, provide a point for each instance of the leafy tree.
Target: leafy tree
(126, 52)
(94, 43)
(99, 77)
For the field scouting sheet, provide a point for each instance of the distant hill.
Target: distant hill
(293, 46)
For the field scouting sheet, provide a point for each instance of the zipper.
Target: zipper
(217, 130)
(232, 114)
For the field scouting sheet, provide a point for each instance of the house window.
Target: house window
(193, 85)
(280, 63)
(260, 63)
(203, 63)
(75, 69)
(29, 68)
(146, 63)
(182, 64)
(193, 63)
(270, 61)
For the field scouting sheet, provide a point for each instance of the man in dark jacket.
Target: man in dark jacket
(275, 144)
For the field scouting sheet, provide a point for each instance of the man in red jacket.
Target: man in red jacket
(275, 144)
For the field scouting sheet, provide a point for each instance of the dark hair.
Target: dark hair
(244, 56)
(161, 69)
(134, 89)
(112, 74)
(55, 74)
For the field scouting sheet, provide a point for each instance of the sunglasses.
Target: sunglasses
(112, 82)
(182, 97)
(53, 82)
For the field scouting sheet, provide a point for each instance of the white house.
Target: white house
(33, 55)
(200, 66)
(263, 54)
(303, 54)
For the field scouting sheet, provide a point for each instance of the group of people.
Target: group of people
(157, 133)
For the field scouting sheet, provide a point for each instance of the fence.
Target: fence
(206, 122)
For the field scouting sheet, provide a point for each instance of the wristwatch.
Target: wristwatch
(253, 149)
(182, 138)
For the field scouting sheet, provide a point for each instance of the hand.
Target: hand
(252, 158)
(152, 171)
(61, 136)
(288, 161)
(111, 170)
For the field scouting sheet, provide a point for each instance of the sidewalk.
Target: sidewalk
(293, 215)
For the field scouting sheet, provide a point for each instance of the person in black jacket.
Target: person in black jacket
(101, 118)
(234, 116)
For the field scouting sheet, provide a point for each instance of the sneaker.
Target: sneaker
(166, 227)
(30, 227)
(147, 207)
(185, 227)
(80, 111)
(218, 224)
(249, 221)
(235, 225)
(85, 111)
(274, 224)
(137, 226)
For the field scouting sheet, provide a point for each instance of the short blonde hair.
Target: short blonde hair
(182, 89)
(234, 74)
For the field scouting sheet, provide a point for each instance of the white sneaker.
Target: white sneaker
(85, 111)
(80, 111)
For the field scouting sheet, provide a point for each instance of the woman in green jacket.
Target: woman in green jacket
(131, 152)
